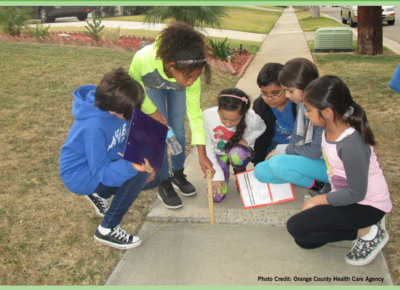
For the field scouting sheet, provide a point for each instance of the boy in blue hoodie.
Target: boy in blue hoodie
(89, 162)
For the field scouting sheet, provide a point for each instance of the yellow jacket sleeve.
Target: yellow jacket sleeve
(135, 71)
(195, 114)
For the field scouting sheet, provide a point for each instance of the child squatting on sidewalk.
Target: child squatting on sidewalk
(231, 132)
(89, 162)
(356, 206)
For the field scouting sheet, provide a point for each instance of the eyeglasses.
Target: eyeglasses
(274, 96)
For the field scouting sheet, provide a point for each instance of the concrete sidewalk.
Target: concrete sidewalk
(243, 247)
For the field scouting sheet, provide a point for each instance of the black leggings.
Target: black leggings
(323, 224)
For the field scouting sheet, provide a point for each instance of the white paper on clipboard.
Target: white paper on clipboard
(255, 193)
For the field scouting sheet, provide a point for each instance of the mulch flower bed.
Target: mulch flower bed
(239, 61)
(237, 65)
(130, 43)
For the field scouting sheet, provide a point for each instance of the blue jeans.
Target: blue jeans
(124, 196)
(172, 105)
(295, 169)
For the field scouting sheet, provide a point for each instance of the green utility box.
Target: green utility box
(336, 39)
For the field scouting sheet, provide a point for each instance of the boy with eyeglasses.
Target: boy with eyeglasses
(277, 111)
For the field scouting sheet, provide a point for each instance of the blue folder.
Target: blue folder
(146, 139)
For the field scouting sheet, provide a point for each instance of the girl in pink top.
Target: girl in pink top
(356, 206)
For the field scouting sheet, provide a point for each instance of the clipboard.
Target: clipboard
(145, 139)
(256, 194)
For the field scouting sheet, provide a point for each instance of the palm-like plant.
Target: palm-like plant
(94, 29)
(113, 35)
(220, 48)
(39, 31)
(208, 16)
(13, 20)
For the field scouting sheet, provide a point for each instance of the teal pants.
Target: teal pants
(294, 169)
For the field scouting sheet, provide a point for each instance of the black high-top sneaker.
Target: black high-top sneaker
(168, 195)
(99, 204)
(180, 182)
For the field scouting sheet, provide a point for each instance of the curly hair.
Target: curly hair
(180, 41)
(234, 104)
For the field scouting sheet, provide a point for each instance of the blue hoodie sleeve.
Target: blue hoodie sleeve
(109, 172)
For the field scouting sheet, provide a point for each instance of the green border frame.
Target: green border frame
(198, 3)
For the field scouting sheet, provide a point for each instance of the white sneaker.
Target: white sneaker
(382, 223)
(364, 252)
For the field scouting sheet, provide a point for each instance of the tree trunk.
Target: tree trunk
(370, 36)
(314, 12)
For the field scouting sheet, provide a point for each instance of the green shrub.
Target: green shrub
(112, 35)
(136, 10)
(110, 10)
(94, 29)
(13, 20)
(220, 48)
(38, 31)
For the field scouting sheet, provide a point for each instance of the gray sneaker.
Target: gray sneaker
(327, 188)
(364, 252)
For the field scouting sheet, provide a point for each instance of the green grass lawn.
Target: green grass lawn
(311, 24)
(46, 232)
(241, 19)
